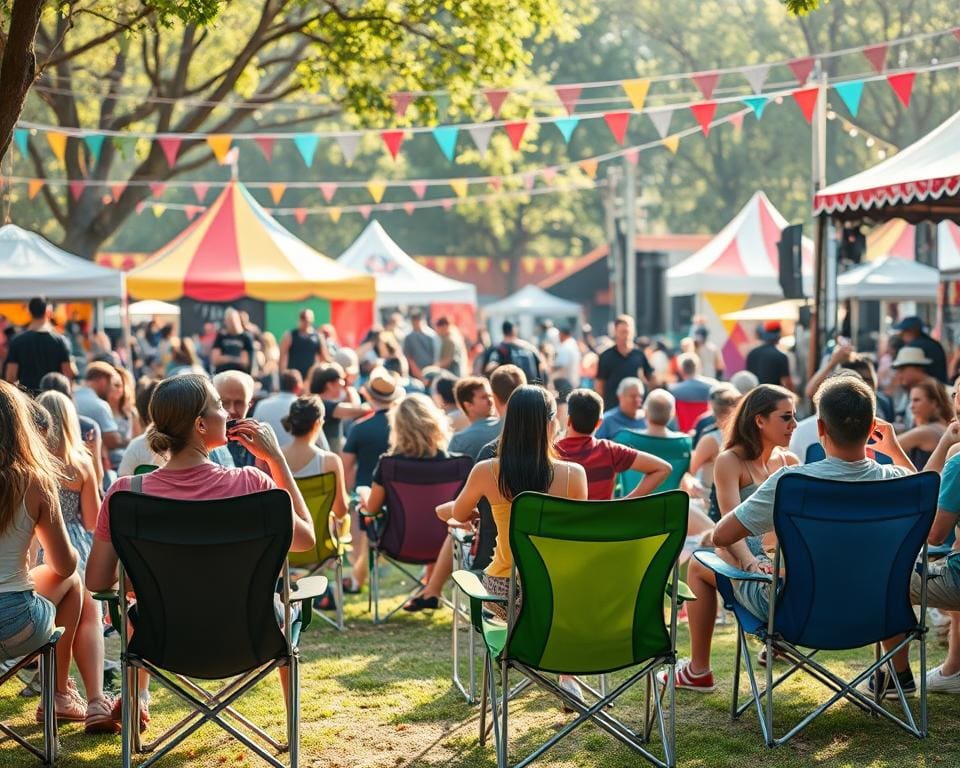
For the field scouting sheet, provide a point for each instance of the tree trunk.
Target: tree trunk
(18, 68)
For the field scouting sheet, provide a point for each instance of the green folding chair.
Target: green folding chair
(565, 554)
(675, 450)
(318, 492)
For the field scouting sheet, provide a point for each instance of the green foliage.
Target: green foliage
(800, 7)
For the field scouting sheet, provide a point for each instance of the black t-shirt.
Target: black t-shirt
(768, 364)
(932, 349)
(234, 345)
(332, 426)
(368, 440)
(613, 367)
(304, 348)
(36, 354)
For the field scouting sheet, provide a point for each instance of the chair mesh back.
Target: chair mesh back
(675, 450)
(414, 488)
(593, 575)
(849, 549)
(205, 575)
(318, 492)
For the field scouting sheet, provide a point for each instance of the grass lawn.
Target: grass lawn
(381, 697)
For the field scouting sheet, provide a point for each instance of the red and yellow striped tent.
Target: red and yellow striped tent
(236, 250)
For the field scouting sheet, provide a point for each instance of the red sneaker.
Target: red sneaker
(688, 680)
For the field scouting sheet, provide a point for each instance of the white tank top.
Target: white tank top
(14, 548)
(313, 467)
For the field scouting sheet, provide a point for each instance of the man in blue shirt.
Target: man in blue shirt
(628, 414)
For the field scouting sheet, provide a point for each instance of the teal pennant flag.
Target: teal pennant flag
(20, 136)
(306, 144)
(850, 93)
(446, 138)
(757, 104)
(94, 143)
(566, 126)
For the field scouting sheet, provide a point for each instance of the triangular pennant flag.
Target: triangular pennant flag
(157, 188)
(706, 82)
(276, 192)
(661, 120)
(200, 189)
(446, 138)
(94, 142)
(266, 146)
(806, 99)
(569, 95)
(956, 33)
(58, 143)
(376, 190)
(401, 101)
(20, 138)
(328, 190)
(116, 190)
(306, 144)
(300, 215)
(566, 126)
(633, 156)
(801, 68)
(495, 98)
(459, 187)
(636, 91)
(125, 145)
(548, 174)
(365, 210)
(757, 104)
(348, 143)
(191, 211)
(219, 143)
(139, 207)
(392, 140)
(528, 181)
(409, 208)
(589, 167)
(617, 122)
(76, 189)
(850, 94)
(757, 76)
(877, 56)
(704, 112)
(442, 103)
(334, 214)
(481, 136)
(515, 131)
(170, 146)
(446, 203)
(419, 188)
(33, 187)
(158, 209)
(902, 85)
(496, 183)
(672, 143)
(736, 120)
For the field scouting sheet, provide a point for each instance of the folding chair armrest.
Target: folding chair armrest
(722, 568)
(308, 588)
(106, 595)
(469, 583)
(460, 535)
(936, 551)
(684, 592)
(112, 598)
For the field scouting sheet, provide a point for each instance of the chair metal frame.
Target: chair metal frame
(462, 541)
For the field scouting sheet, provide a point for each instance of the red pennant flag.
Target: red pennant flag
(495, 98)
(157, 188)
(902, 85)
(956, 33)
(446, 203)
(328, 190)
(116, 190)
(266, 146)
(617, 122)
(409, 208)
(633, 155)
(806, 99)
(200, 189)
(401, 101)
(191, 211)
(704, 112)
(736, 121)
(76, 189)
(801, 68)
(569, 95)
(170, 147)
(300, 214)
(877, 56)
(393, 140)
(419, 188)
(139, 207)
(496, 183)
(706, 82)
(365, 211)
(515, 131)
(528, 181)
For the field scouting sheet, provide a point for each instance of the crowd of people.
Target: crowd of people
(234, 411)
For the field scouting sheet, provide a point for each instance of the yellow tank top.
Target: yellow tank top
(502, 560)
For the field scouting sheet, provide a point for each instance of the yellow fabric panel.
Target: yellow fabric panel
(722, 303)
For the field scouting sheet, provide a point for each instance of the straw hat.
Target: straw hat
(383, 387)
(911, 356)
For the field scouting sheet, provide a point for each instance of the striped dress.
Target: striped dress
(80, 537)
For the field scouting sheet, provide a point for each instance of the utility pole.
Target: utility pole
(630, 236)
(824, 317)
(613, 259)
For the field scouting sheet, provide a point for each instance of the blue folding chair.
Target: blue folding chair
(816, 453)
(843, 542)
(675, 450)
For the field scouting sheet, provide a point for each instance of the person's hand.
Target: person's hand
(885, 438)
(841, 353)
(445, 510)
(256, 437)
(951, 435)
(759, 566)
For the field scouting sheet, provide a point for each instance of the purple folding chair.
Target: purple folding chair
(409, 531)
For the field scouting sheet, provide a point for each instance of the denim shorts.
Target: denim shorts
(26, 623)
(754, 596)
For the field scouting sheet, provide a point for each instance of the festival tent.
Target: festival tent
(525, 306)
(237, 254)
(889, 279)
(141, 311)
(948, 249)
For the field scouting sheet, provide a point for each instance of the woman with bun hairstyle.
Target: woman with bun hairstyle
(305, 423)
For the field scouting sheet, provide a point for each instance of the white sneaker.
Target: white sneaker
(571, 686)
(937, 682)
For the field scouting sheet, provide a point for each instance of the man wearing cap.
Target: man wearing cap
(913, 335)
(302, 347)
(711, 359)
(766, 362)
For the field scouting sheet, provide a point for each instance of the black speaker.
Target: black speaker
(789, 250)
(852, 246)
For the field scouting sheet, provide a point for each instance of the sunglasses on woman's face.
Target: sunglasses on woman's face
(787, 417)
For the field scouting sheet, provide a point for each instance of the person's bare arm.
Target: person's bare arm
(11, 372)
(943, 524)
(479, 484)
(89, 496)
(655, 471)
(841, 354)
(349, 470)
(726, 480)
(705, 452)
(340, 501)
(101, 571)
(346, 411)
(112, 440)
(373, 501)
(285, 342)
(947, 446)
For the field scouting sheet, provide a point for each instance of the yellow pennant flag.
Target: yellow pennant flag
(459, 186)
(636, 91)
(589, 167)
(461, 263)
(376, 190)
(33, 187)
(334, 214)
(58, 143)
(220, 144)
(158, 209)
(672, 143)
(504, 266)
(529, 264)
(276, 192)
(483, 265)
(440, 264)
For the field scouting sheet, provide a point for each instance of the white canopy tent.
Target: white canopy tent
(140, 311)
(889, 279)
(527, 305)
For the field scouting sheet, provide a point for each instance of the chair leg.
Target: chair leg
(736, 680)
(483, 704)
(504, 703)
(338, 592)
(375, 585)
(293, 710)
(126, 738)
(48, 680)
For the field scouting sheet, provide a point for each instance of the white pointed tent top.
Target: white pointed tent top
(531, 300)
(889, 279)
(400, 279)
(32, 266)
(742, 258)
(948, 247)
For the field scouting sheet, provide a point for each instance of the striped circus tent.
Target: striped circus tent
(948, 248)
(896, 238)
(237, 252)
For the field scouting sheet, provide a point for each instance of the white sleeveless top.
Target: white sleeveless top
(14, 548)
(313, 467)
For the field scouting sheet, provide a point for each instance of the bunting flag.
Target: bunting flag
(442, 103)
(672, 143)
(529, 264)
(334, 214)
(618, 123)
(419, 189)
(569, 95)
(392, 140)
(528, 181)
(158, 209)
(661, 120)
(877, 56)
(496, 183)
(409, 208)
(757, 76)
(806, 99)
(33, 188)
(200, 189)
(902, 85)
(76, 189)
(117, 190)
(704, 112)
(191, 211)
(515, 131)
(348, 143)
(306, 144)
(157, 188)
(276, 192)
(266, 147)
(328, 190)
(706, 82)
(446, 138)
(636, 91)
(219, 144)
(459, 187)
(589, 167)
(376, 190)
(548, 175)
(125, 144)
(495, 98)
(736, 120)
(801, 69)
(58, 143)
(633, 156)
(481, 136)
(401, 101)
(139, 207)
(850, 94)
(757, 104)
(365, 210)
(94, 144)
(299, 215)
(566, 126)
(170, 146)
(20, 137)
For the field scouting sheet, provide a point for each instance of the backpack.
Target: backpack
(525, 359)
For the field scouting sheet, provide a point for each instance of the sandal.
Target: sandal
(117, 713)
(69, 705)
(422, 603)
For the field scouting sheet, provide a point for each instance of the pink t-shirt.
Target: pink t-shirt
(199, 483)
